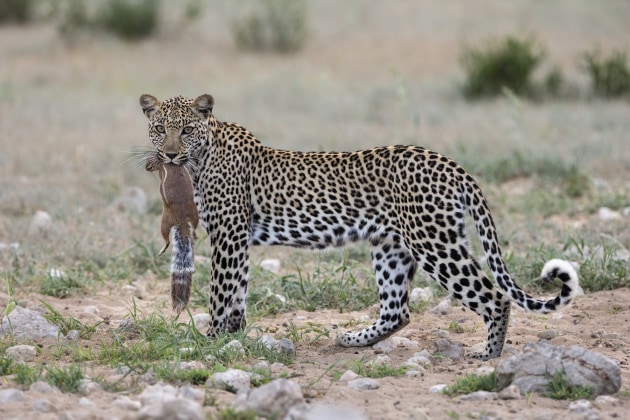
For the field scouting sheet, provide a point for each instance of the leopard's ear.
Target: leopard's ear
(203, 105)
(149, 104)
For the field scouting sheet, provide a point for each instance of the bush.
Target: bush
(272, 25)
(16, 10)
(505, 64)
(131, 19)
(610, 77)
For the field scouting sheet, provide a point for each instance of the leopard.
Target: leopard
(408, 203)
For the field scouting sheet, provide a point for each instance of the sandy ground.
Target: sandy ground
(598, 321)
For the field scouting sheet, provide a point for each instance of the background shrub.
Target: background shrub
(610, 77)
(272, 25)
(16, 10)
(131, 19)
(504, 64)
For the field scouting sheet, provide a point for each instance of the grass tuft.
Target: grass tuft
(472, 383)
(560, 389)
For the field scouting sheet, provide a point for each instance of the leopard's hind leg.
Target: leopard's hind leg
(395, 269)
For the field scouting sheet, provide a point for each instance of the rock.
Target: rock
(286, 346)
(404, 342)
(450, 349)
(421, 358)
(272, 400)
(348, 375)
(233, 380)
(91, 310)
(442, 308)
(420, 294)
(606, 400)
(384, 346)
(512, 392)
(363, 384)
(532, 370)
(73, 335)
(195, 364)
(25, 324)
(269, 342)
(606, 214)
(42, 387)
(132, 200)
(413, 373)
(21, 353)
(233, 347)
(127, 404)
(87, 387)
(43, 406)
(478, 348)
(381, 360)
(479, 396)
(436, 389)
(41, 224)
(11, 395)
(320, 411)
(547, 334)
(201, 321)
(173, 409)
(484, 370)
(86, 402)
(271, 265)
(156, 393)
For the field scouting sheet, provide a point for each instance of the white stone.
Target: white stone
(484, 370)
(271, 265)
(42, 387)
(420, 294)
(21, 353)
(436, 389)
(605, 400)
(73, 335)
(479, 396)
(442, 308)
(11, 395)
(233, 347)
(382, 359)
(363, 384)
(580, 406)
(384, 346)
(127, 404)
(413, 373)
(234, 380)
(87, 387)
(511, 392)
(26, 324)
(91, 310)
(201, 321)
(41, 224)
(43, 406)
(348, 375)
(286, 346)
(269, 342)
(156, 393)
(606, 214)
(176, 408)
(85, 402)
(404, 342)
(272, 400)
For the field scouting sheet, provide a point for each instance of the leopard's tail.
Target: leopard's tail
(182, 269)
(555, 268)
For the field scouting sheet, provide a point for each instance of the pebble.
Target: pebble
(43, 406)
(233, 380)
(201, 321)
(436, 389)
(91, 310)
(11, 395)
(233, 347)
(413, 373)
(286, 346)
(384, 346)
(87, 387)
(174, 408)
(271, 265)
(86, 402)
(73, 335)
(348, 375)
(382, 360)
(442, 308)
(363, 384)
(547, 334)
(25, 324)
(42, 387)
(484, 370)
(405, 342)
(127, 404)
(41, 224)
(479, 396)
(420, 294)
(21, 353)
(606, 214)
(511, 392)
(272, 400)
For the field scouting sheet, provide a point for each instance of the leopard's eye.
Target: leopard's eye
(187, 130)
(160, 129)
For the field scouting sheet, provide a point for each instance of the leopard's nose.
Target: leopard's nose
(171, 156)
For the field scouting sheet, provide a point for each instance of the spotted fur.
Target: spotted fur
(409, 203)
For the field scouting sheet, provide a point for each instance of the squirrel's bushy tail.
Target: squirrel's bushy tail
(182, 268)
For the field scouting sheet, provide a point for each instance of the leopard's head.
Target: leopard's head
(178, 127)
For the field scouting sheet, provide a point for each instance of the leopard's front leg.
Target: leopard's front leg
(230, 271)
